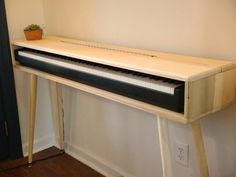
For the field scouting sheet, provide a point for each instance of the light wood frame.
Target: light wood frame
(32, 113)
(58, 116)
(162, 124)
(57, 111)
(204, 78)
(211, 80)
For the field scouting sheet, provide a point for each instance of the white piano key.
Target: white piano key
(145, 82)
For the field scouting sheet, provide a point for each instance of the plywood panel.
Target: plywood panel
(111, 96)
(209, 84)
(210, 94)
(162, 64)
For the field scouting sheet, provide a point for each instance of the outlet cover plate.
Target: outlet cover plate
(182, 153)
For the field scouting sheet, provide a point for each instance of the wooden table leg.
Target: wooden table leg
(164, 146)
(201, 154)
(33, 97)
(57, 111)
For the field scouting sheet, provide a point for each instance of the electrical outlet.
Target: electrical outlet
(181, 153)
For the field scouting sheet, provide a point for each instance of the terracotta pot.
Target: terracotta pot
(33, 34)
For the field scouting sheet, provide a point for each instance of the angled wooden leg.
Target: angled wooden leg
(57, 111)
(33, 97)
(201, 154)
(164, 147)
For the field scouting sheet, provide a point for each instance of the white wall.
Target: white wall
(122, 137)
(22, 13)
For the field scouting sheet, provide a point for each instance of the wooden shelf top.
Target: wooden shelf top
(185, 68)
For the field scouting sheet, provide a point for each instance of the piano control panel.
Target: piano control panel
(178, 87)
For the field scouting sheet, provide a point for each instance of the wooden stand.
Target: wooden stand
(165, 148)
(162, 124)
(201, 154)
(32, 111)
(57, 111)
(211, 79)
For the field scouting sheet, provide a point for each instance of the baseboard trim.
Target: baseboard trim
(100, 165)
(40, 144)
(105, 168)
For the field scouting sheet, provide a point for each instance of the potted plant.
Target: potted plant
(33, 32)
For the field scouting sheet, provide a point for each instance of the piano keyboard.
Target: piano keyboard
(159, 91)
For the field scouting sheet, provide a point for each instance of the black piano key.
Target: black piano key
(176, 82)
(157, 78)
(173, 102)
(93, 64)
(140, 75)
(144, 75)
(116, 69)
(151, 77)
(165, 80)
(131, 72)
